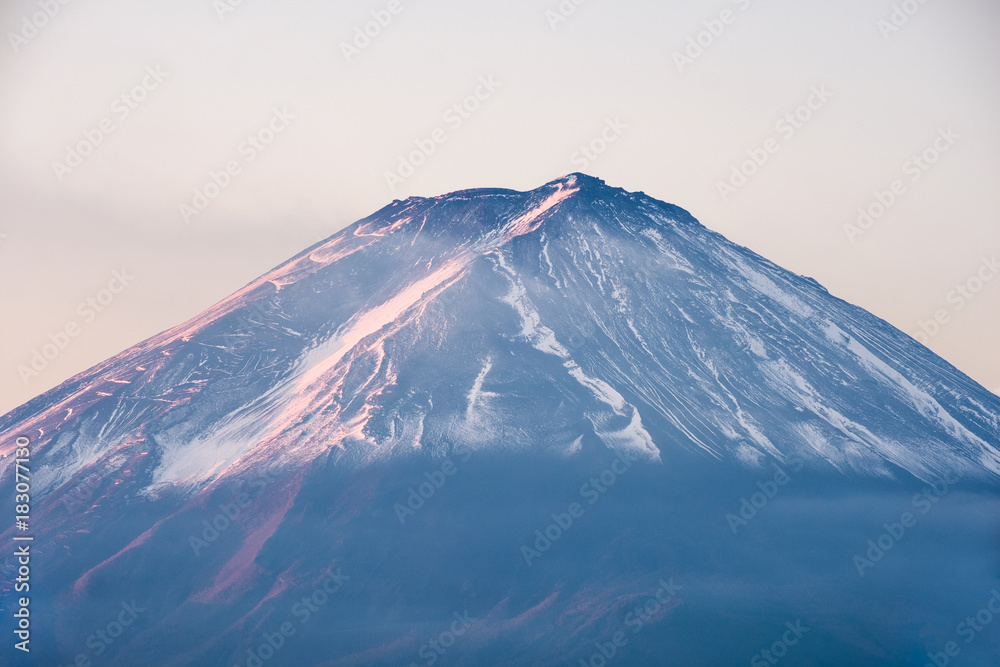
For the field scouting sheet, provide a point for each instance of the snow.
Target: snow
(633, 437)
(658, 334)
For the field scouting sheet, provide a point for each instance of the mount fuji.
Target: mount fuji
(564, 426)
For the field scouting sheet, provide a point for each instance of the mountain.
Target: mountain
(564, 426)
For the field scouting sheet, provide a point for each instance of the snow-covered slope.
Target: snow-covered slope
(573, 302)
(548, 325)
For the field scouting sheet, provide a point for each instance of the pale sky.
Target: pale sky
(200, 77)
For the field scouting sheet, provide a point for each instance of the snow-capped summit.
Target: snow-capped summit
(549, 329)
(609, 313)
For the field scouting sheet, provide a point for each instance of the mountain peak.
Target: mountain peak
(426, 390)
(638, 281)
(580, 180)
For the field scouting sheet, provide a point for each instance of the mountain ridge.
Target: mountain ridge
(577, 211)
(475, 360)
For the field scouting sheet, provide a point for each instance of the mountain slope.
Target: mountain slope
(504, 332)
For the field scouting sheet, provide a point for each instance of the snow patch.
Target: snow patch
(633, 436)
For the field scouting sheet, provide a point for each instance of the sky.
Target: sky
(157, 156)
